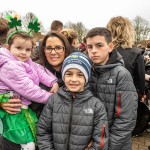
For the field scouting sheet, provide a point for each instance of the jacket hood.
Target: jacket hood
(6, 55)
(78, 97)
(115, 59)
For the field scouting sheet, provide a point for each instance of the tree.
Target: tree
(142, 29)
(79, 28)
(29, 17)
(8, 12)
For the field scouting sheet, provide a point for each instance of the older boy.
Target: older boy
(113, 84)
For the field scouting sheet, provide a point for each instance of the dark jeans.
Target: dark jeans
(8, 145)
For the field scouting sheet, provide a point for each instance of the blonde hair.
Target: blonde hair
(70, 34)
(122, 32)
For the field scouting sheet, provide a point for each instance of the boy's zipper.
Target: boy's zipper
(70, 125)
(97, 86)
(119, 105)
(102, 137)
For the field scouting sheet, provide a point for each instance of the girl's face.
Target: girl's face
(21, 48)
(74, 80)
(55, 57)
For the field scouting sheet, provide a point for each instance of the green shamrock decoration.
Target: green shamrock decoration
(34, 26)
(14, 23)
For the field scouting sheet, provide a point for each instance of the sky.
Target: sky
(92, 13)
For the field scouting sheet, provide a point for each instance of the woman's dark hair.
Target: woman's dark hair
(43, 60)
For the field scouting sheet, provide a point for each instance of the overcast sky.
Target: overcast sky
(91, 13)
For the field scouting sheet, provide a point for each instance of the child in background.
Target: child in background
(20, 77)
(72, 38)
(4, 28)
(73, 117)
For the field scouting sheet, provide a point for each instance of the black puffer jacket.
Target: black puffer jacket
(134, 63)
(113, 84)
(71, 122)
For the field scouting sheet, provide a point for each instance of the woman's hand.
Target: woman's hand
(54, 88)
(12, 106)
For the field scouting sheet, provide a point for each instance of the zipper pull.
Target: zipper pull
(102, 137)
(119, 105)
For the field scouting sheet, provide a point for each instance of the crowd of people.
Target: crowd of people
(62, 94)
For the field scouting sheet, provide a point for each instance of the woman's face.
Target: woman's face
(55, 58)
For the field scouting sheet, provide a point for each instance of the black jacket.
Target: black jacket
(113, 84)
(134, 63)
(69, 122)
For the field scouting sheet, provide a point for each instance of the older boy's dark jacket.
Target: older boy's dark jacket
(85, 114)
(113, 84)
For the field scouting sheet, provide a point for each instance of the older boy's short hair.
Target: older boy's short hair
(100, 31)
(56, 24)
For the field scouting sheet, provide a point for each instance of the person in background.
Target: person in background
(34, 53)
(113, 85)
(122, 32)
(72, 38)
(56, 25)
(4, 28)
(82, 46)
(73, 116)
(20, 78)
(147, 53)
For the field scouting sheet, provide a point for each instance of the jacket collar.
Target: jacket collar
(77, 97)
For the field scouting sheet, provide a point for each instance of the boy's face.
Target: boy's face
(74, 80)
(98, 49)
(21, 49)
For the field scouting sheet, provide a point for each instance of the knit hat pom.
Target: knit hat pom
(79, 61)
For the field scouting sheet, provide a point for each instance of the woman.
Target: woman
(123, 39)
(54, 49)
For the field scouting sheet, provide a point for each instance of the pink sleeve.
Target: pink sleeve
(15, 76)
(45, 76)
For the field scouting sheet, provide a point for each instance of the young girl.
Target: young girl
(20, 78)
(73, 117)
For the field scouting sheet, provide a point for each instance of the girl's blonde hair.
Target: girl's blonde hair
(122, 32)
(70, 34)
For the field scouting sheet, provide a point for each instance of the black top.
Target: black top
(134, 63)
